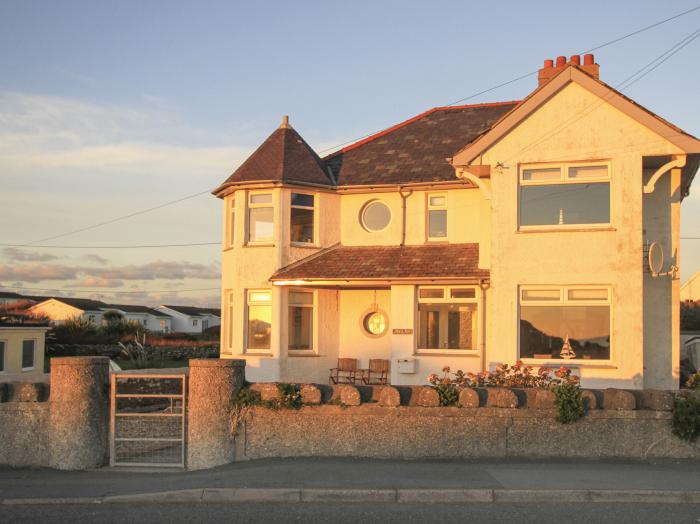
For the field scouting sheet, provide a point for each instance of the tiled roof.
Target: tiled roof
(415, 150)
(85, 304)
(387, 262)
(195, 311)
(283, 157)
(129, 308)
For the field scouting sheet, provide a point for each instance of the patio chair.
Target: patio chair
(378, 372)
(346, 372)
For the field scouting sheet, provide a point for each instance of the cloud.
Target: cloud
(34, 272)
(15, 254)
(96, 258)
(98, 282)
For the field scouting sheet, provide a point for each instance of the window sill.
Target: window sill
(304, 245)
(578, 363)
(573, 229)
(447, 352)
(259, 244)
(28, 369)
(257, 354)
(437, 241)
(229, 248)
(302, 354)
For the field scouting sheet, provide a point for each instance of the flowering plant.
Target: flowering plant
(445, 386)
(516, 376)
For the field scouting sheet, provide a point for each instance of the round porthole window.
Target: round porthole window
(374, 323)
(375, 216)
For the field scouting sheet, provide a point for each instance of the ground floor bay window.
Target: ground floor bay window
(301, 321)
(447, 318)
(565, 322)
(259, 320)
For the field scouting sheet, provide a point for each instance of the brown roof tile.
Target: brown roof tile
(387, 262)
(283, 157)
(415, 150)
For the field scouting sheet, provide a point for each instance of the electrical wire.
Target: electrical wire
(141, 246)
(111, 292)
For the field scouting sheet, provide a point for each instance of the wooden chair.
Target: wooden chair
(346, 372)
(378, 372)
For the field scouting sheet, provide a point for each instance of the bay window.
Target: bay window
(447, 318)
(302, 218)
(565, 322)
(301, 321)
(259, 320)
(260, 217)
(564, 195)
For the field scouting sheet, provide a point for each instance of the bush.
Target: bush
(81, 331)
(694, 381)
(686, 417)
(569, 402)
(446, 388)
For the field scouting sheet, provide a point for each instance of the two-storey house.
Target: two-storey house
(466, 236)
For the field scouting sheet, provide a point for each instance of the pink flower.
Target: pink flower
(432, 378)
(446, 369)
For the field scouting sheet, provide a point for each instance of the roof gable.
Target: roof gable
(571, 73)
(283, 157)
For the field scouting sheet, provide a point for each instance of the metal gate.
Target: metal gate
(147, 420)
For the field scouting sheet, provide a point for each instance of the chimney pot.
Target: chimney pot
(576, 59)
(285, 122)
(548, 63)
(588, 59)
(561, 61)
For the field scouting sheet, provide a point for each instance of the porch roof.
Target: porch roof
(363, 263)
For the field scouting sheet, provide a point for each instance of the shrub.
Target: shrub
(569, 402)
(694, 381)
(446, 387)
(686, 417)
(290, 396)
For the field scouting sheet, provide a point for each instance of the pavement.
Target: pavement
(318, 480)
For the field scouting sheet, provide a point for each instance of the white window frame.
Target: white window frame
(366, 206)
(230, 232)
(250, 205)
(229, 318)
(195, 322)
(3, 361)
(313, 209)
(33, 366)
(446, 299)
(250, 302)
(564, 178)
(314, 321)
(564, 300)
(430, 207)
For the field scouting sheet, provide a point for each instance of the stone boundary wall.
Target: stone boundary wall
(24, 416)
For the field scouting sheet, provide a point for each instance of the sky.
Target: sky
(108, 108)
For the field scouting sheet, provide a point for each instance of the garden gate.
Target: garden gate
(148, 414)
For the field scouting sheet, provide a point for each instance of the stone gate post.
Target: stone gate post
(79, 412)
(214, 384)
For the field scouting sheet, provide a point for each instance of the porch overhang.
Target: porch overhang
(384, 266)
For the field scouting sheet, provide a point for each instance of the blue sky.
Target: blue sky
(110, 107)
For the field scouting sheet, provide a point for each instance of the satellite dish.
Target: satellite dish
(655, 258)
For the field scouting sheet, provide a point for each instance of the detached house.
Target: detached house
(545, 230)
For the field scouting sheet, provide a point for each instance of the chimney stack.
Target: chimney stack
(552, 68)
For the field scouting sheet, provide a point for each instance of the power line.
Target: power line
(116, 219)
(531, 73)
(141, 246)
(109, 291)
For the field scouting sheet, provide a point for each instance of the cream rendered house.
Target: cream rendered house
(466, 236)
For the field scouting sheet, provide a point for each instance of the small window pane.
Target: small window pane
(565, 204)
(259, 327)
(437, 201)
(260, 226)
(541, 294)
(261, 198)
(588, 294)
(302, 199)
(2, 356)
(300, 327)
(27, 354)
(300, 297)
(259, 296)
(462, 293)
(545, 329)
(437, 223)
(540, 174)
(376, 216)
(431, 293)
(302, 225)
(589, 172)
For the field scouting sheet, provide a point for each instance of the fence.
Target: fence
(148, 414)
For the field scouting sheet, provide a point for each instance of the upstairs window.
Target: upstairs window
(437, 216)
(230, 221)
(302, 218)
(260, 217)
(569, 322)
(564, 195)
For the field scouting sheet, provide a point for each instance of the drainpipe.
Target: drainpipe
(404, 196)
(484, 285)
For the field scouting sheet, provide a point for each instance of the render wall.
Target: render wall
(585, 129)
